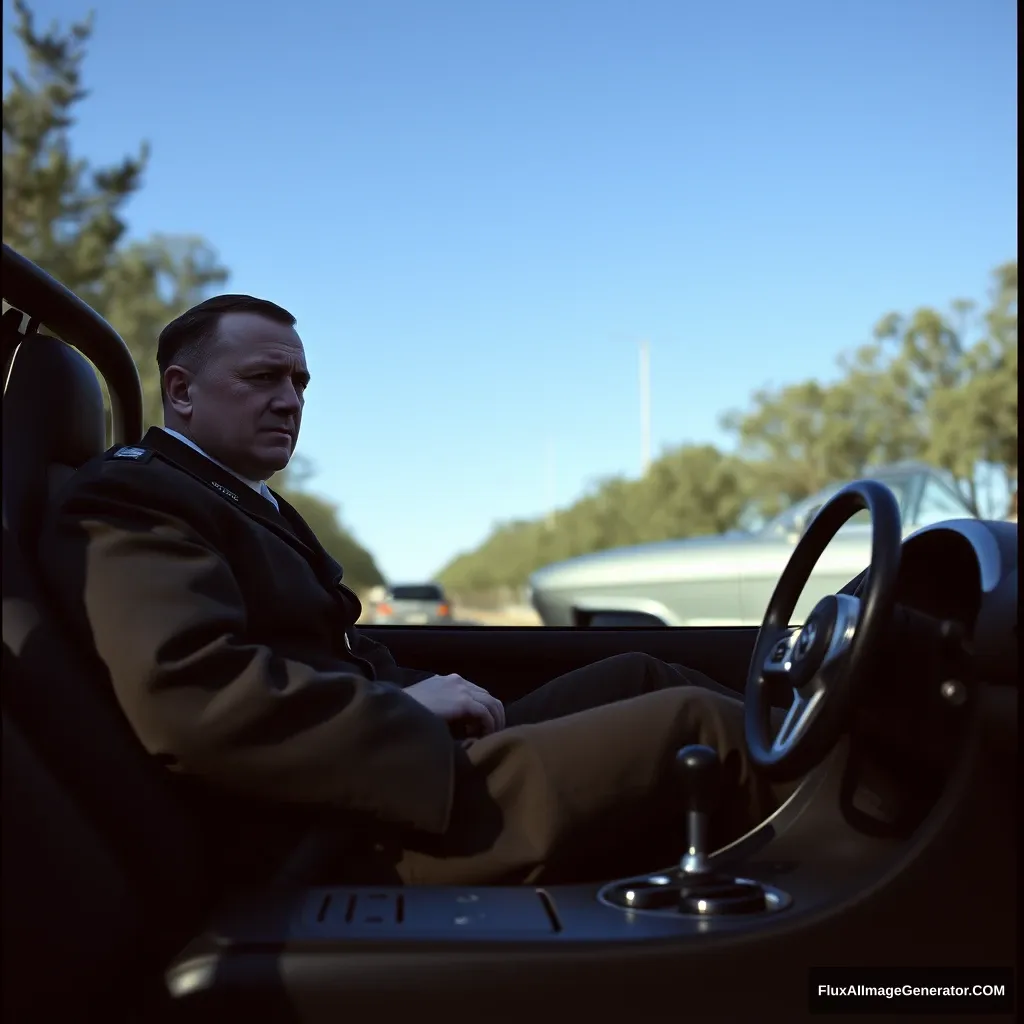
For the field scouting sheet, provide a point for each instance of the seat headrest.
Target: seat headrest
(54, 421)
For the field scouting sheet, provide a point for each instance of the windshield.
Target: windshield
(797, 518)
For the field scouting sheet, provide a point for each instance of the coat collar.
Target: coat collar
(284, 521)
(259, 486)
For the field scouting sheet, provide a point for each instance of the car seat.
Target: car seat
(73, 749)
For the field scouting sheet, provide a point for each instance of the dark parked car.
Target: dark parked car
(413, 604)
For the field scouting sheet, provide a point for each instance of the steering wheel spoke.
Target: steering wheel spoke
(778, 662)
(797, 721)
(845, 629)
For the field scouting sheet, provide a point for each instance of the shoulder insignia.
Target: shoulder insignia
(132, 454)
(223, 490)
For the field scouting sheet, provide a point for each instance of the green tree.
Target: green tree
(801, 437)
(924, 388)
(68, 217)
(959, 394)
(976, 422)
(58, 211)
(148, 284)
(692, 490)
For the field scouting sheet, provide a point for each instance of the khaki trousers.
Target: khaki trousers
(577, 787)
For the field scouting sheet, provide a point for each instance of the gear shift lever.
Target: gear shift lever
(697, 889)
(698, 773)
(698, 776)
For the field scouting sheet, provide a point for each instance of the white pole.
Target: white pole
(549, 495)
(645, 407)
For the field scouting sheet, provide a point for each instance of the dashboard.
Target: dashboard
(965, 571)
(940, 576)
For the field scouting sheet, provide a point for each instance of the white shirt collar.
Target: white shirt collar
(259, 486)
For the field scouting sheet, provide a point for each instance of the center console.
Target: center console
(797, 890)
(802, 855)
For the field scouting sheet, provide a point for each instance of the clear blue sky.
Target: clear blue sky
(476, 209)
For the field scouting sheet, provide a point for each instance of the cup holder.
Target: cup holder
(710, 896)
(643, 895)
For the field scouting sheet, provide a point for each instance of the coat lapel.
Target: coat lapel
(286, 523)
(332, 568)
(289, 527)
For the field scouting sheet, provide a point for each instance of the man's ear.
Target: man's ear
(177, 382)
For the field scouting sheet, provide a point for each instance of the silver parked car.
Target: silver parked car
(413, 604)
(728, 580)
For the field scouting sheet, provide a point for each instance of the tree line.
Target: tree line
(935, 386)
(68, 217)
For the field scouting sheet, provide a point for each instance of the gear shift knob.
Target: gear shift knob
(698, 775)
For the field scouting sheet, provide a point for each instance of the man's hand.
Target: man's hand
(456, 699)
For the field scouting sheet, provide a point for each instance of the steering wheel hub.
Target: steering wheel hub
(801, 654)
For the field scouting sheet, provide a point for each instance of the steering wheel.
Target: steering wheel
(823, 666)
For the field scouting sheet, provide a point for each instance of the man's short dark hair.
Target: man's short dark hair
(187, 340)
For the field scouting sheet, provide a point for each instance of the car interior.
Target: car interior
(897, 848)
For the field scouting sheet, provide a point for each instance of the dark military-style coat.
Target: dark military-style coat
(228, 636)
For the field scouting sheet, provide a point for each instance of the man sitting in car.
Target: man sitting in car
(228, 637)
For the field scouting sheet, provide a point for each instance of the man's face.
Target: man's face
(243, 406)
